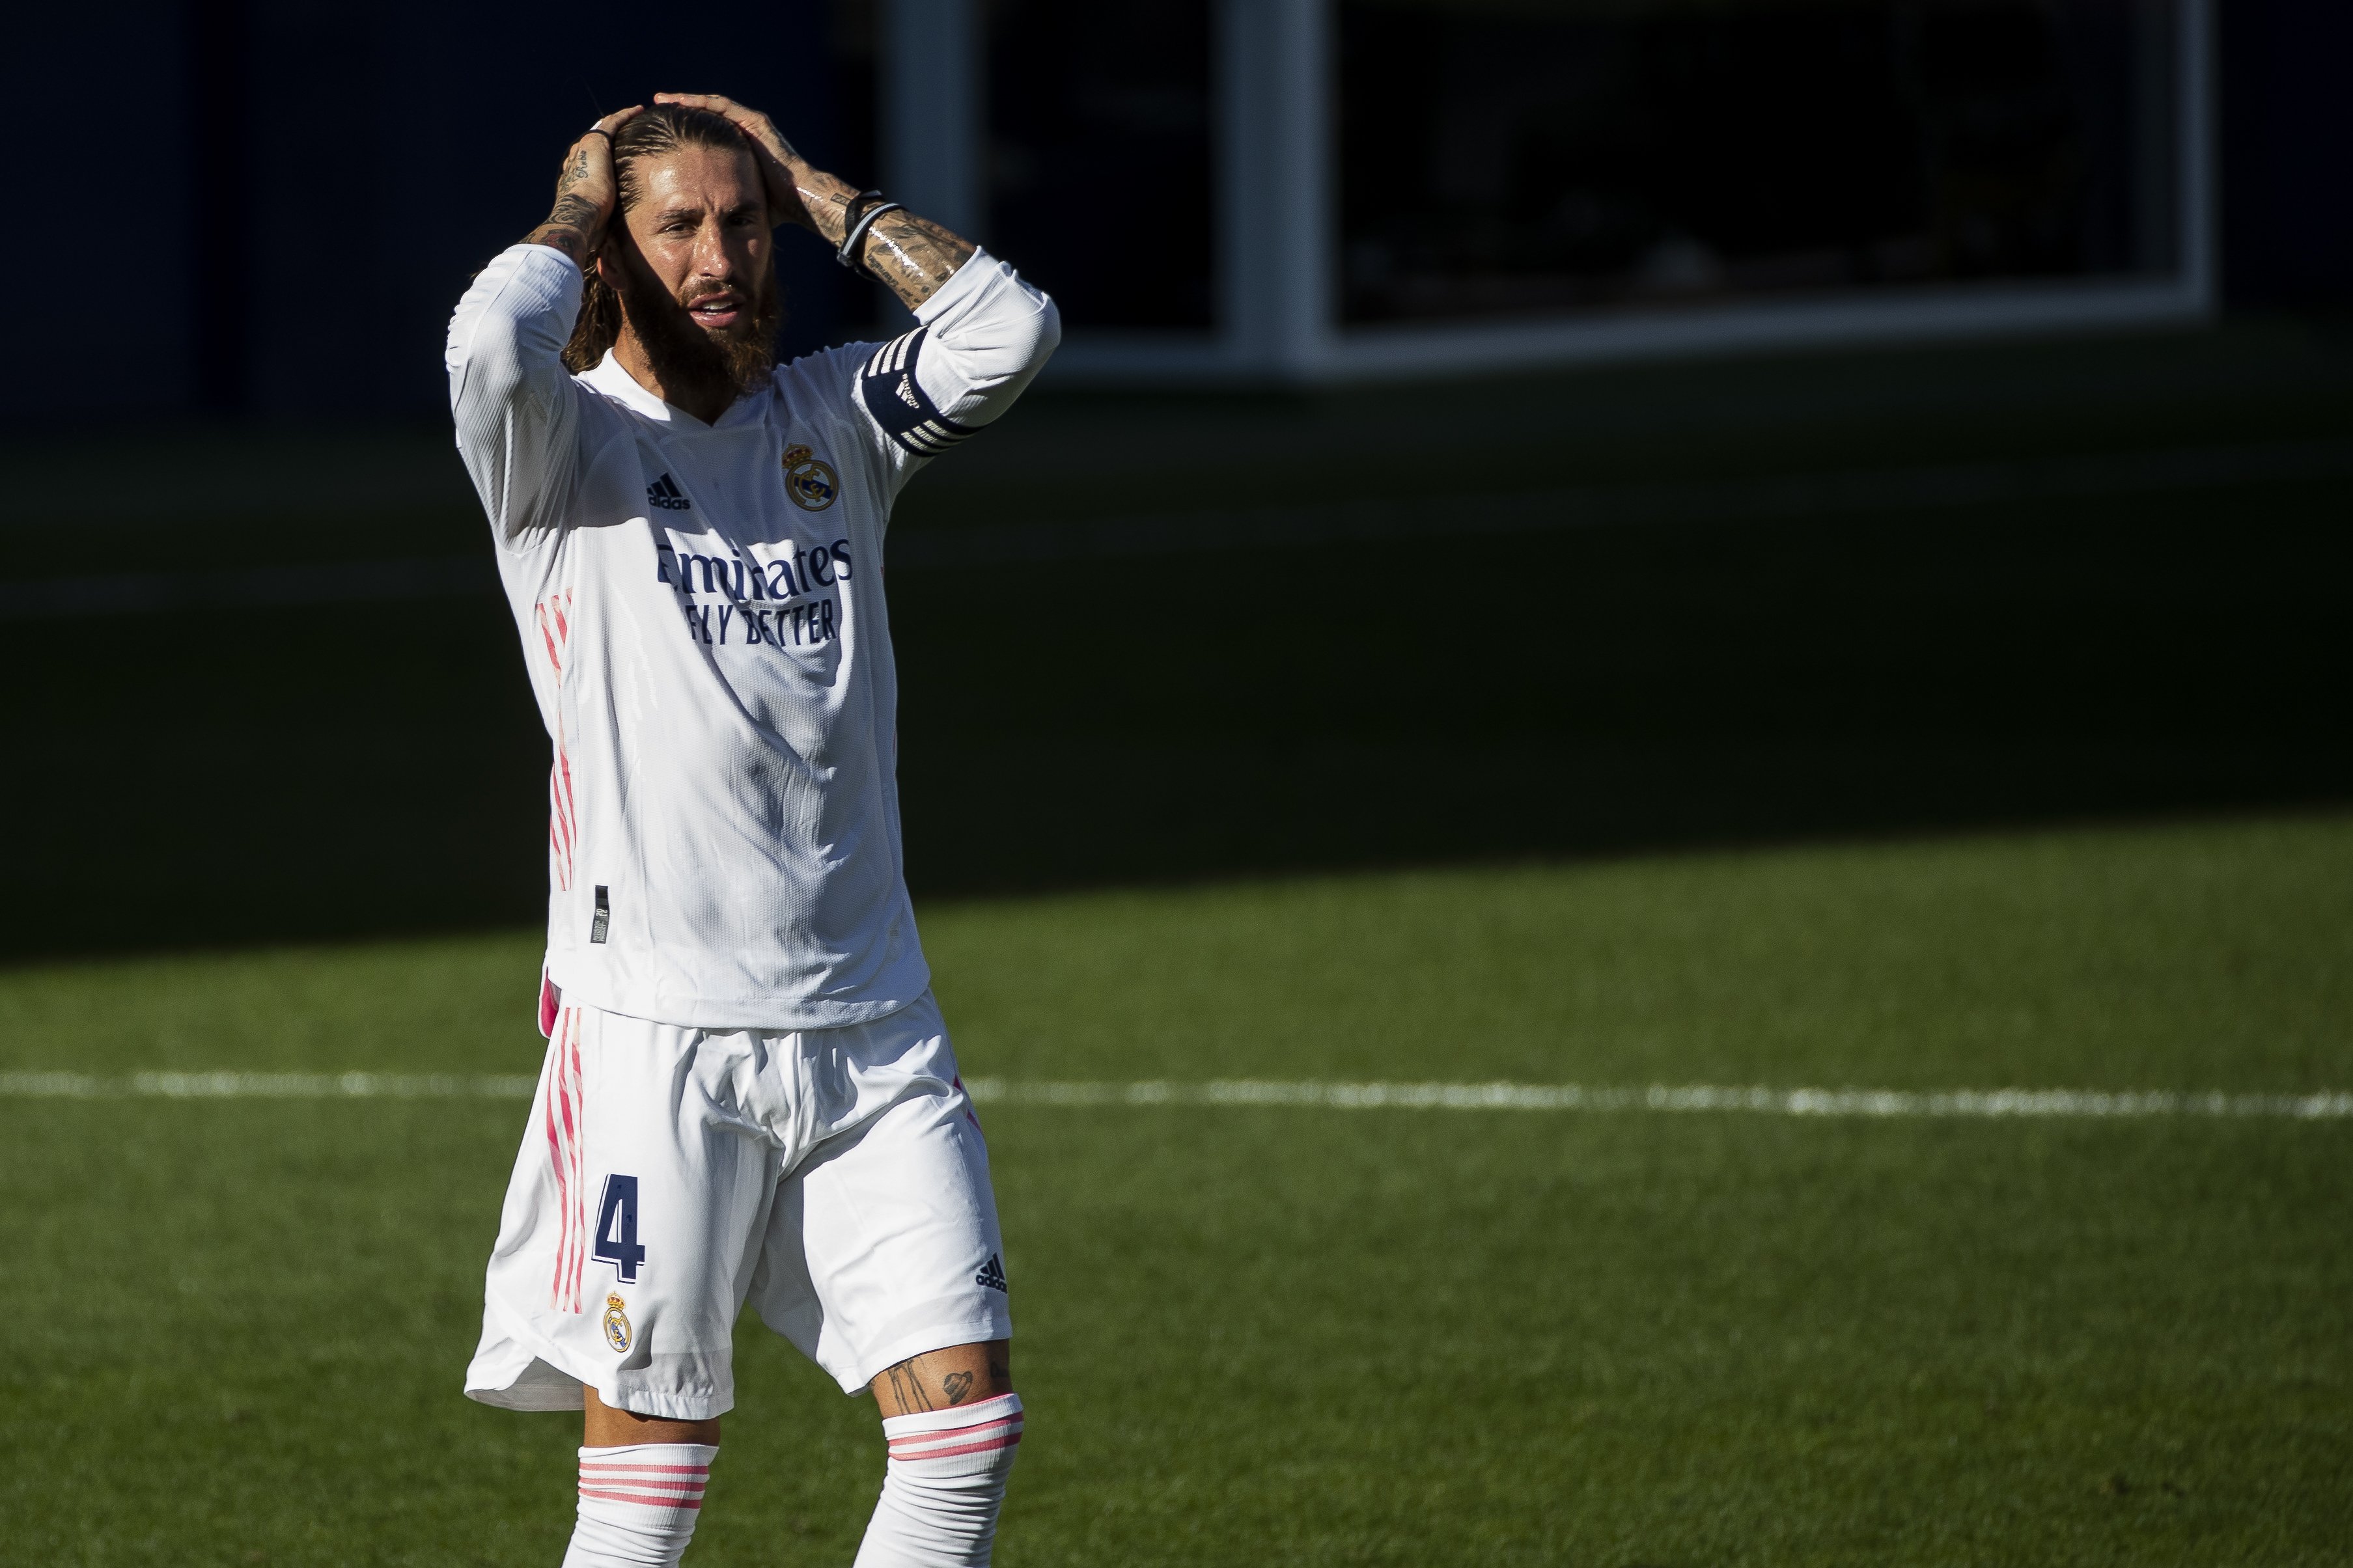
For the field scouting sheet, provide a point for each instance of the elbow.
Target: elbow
(510, 331)
(485, 364)
(482, 341)
(1049, 332)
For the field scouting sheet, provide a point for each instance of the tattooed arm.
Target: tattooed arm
(912, 256)
(517, 411)
(982, 334)
(585, 195)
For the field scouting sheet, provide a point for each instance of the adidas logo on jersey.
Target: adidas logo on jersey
(992, 1274)
(664, 493)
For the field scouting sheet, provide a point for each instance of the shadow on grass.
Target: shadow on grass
(193, 780)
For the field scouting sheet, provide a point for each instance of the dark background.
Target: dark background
(1630, 638)
(278, 182)
(1501, 159)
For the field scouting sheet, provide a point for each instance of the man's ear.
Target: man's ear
(612, 259)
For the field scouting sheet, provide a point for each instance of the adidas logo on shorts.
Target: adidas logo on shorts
(991, 1275)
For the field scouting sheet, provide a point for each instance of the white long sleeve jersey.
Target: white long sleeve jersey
(701, 611)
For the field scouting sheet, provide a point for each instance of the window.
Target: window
(1100, 155)
(1524, 156)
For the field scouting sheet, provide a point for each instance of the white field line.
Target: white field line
(264, 1086)
(1995, 1104)
(1987, 1104)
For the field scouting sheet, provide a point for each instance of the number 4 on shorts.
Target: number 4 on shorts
(616, 1228)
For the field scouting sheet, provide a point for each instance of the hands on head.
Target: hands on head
(770, 151)
(911, 255)
(585, 192)
(919, 255)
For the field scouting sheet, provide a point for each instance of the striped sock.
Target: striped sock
(942, 1487)
(638, 1503)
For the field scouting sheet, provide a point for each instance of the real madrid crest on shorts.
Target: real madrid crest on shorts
(617, 1326)
(808, 481)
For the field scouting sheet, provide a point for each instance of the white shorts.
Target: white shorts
(835, 1178)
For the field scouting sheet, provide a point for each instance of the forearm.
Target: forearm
(912, 256)
(576, 224)
(572, 228)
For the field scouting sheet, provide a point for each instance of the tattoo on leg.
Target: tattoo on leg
(959, 1387)
(907, 1389)
(1000, 1373)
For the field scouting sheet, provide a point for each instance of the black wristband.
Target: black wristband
(853, 235)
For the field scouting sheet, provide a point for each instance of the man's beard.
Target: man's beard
(688, 357)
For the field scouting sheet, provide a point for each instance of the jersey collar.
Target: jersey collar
(618, 384)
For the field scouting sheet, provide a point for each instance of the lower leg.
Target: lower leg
(641, 1481)
(952, 1421)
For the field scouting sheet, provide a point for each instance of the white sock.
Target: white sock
(639, 1504)
(942, 1487)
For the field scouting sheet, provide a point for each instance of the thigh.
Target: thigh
(884, 1245)
(944, 1379)
(631, 1225)
(673, 1194)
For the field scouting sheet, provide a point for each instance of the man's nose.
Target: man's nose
(711, 257)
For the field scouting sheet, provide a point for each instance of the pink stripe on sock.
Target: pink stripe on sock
(695, 1501)
(646, 1484)
(619, 1464)
(981, 1447)
(955, 1434)
(1013, 1419)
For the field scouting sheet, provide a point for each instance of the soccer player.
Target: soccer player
(748, 1093)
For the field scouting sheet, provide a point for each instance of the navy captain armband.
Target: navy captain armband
(898, 403)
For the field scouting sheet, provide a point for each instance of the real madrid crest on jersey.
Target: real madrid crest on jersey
(807, 480)
(617, 1325)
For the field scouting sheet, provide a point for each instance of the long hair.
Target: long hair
(661, 130)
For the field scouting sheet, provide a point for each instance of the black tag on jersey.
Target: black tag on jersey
(603, 920)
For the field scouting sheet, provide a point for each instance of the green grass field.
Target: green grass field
(1256, 1336)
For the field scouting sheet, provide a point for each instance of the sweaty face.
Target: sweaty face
(698, 281)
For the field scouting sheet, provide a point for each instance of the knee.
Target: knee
(972, 1439)
(943, 1486)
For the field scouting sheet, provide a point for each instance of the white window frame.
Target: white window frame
(1277, 319)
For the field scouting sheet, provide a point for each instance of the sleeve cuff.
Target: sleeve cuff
(527, 253)
(980, 276)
